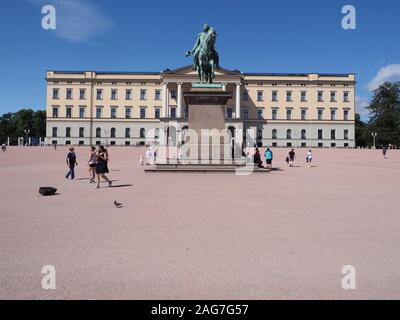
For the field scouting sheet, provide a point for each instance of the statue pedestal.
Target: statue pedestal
(208, 139)
(208, 142)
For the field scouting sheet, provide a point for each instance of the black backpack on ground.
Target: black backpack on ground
(47, 191)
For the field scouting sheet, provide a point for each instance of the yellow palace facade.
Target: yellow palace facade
(131, 108)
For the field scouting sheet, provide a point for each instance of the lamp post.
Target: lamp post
(374, 134)
(27, 132)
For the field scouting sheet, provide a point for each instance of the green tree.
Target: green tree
(360, 132)
(13, 125)
(385, 114)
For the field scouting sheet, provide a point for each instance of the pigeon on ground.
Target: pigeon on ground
(117, 204)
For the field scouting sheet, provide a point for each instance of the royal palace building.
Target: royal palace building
(130, 108)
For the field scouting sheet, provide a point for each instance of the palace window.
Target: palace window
(69, 94)
(303, 96)
(127, 132)
(303, 134)
(288, 96)
(173, 93)
(260, 95)
(54, 132)
(99, 94)
(143, 94)
(274, 134)
(142, 133)
(288, 114)
(128, 95)
(98, 112)
(81, 132)
(55, 112)
(346, 96)
(333, 134)
(274, 114)
(246, 114)
(157, 113)
(333, 96)
(68, 112)
(320, 134)
(82, 94)
(56, 94)
(113, 94)
(274, 96)
(260, 115)
(346, 115)
(320, 114)
(288, 134)
(303, 114)
(173, 113)
(81, 112)
(113, 133)
(346, 134)
(113, 112)
(333, 114)
(142, 113)
(259, 133)
(245, 95)
(128, 112)
(229, 113)
(320, 96)
(98, 132)
(157, 95)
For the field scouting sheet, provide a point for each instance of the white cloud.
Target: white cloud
(389, 73)
(78, 20)
(361, 106)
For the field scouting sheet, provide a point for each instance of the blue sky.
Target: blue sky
(253, 36)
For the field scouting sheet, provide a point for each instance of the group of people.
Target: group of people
(98, 165)
(269, 157)
(150, 157)
(3, 147)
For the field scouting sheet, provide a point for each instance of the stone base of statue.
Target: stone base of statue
(208, 144)
(208, 139)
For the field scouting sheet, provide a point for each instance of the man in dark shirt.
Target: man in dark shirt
(292, 156)
(71, 163)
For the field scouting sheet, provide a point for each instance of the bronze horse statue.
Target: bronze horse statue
(206, 58)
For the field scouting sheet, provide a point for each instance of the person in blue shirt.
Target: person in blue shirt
(268, 158)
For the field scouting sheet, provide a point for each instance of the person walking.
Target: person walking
(102, 166)
(92, 163)
(257, 159)
(384, 152)
(309, 158)
(71, 163)
(292, 156)
(268, 158)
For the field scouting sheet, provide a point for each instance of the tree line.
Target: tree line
(14, 124)
(384, 118)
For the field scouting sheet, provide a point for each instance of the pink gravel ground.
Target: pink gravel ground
(284, 235)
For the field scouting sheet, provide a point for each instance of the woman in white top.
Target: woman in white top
(92, 163)
(309, 158)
